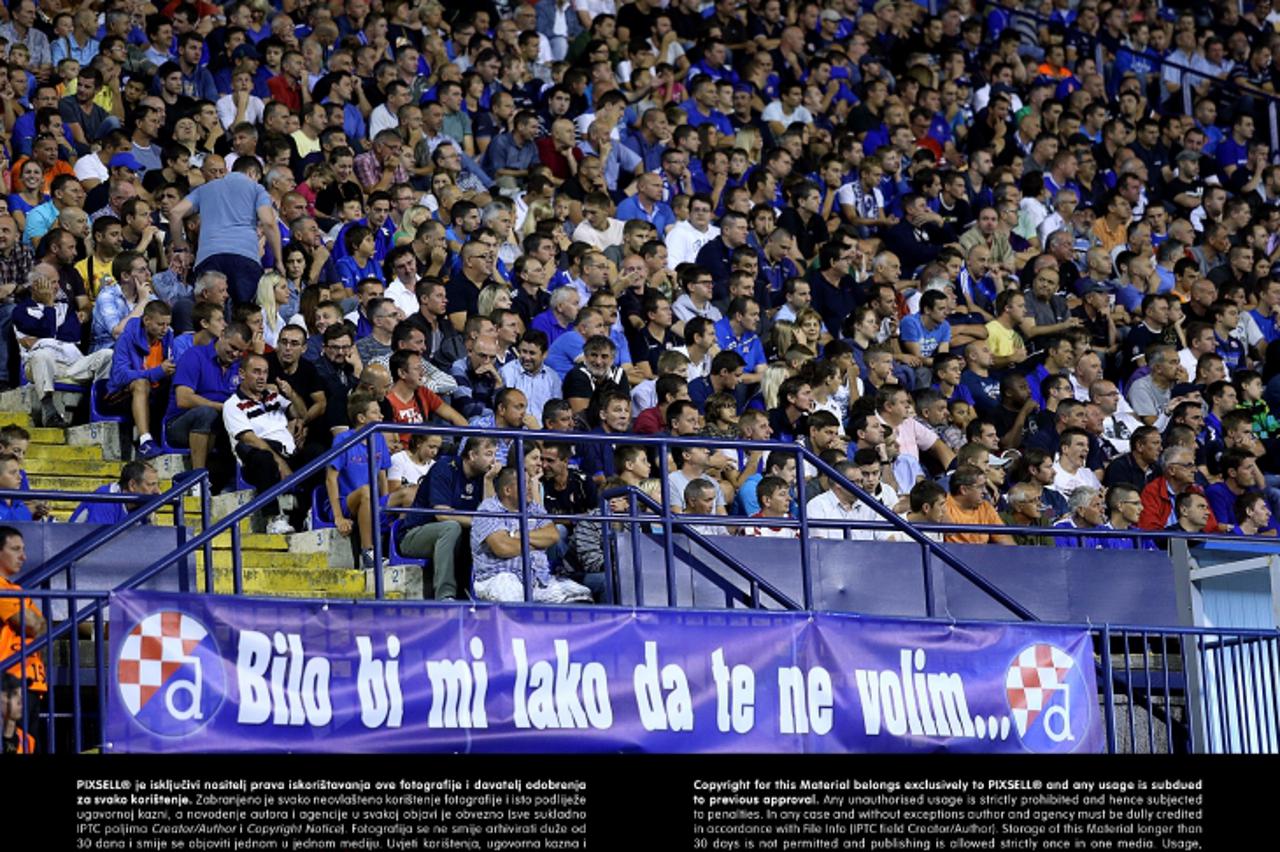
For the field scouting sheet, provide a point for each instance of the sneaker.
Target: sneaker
(279, 525)
(366, 560)
(54, 420)
(149, 450)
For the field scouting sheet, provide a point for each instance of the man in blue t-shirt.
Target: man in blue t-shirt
(737, 333)
(231, 209)
(204, 378)
(454, 482)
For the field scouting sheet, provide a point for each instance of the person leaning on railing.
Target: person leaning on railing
(20, 621)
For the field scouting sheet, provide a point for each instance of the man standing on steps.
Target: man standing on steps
(231, 209)
(141, 367)
(205, 377)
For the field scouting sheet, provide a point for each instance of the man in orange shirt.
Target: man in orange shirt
(13, 624)
(967, 505)
(1112, 229)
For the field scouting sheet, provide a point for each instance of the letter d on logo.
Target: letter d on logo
(1059, 731)
(191, 688)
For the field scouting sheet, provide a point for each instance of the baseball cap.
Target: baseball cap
(125, 161)
(831, 15)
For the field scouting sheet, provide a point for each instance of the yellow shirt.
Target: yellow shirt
(101, 270)
(1002, 340)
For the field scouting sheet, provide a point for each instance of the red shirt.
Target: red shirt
(286, 92)
(649, 422)
(417, 409)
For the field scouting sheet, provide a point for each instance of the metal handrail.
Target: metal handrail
(65, 558)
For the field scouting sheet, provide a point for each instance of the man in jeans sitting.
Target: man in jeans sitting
(454, 482)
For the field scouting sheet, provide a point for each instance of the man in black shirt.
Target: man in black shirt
(565, 490)
(1138, 466)
(286, 362)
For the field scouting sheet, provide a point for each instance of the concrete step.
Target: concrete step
(108, 471)
(80, 483)
(271, 559)
(40, 436)
(19, 401)
(104, 435)
(63, 453)
(291, 582)
(16, 416)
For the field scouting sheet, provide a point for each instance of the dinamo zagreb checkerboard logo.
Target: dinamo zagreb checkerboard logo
(169, 674)
(1048, 699)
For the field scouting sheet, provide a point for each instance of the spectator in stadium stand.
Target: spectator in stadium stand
(20, 622)
(203, 380)
(1240, 476)
(209, 321)
(1253, 516)
(1193, 514)
(259, 419)
(1087, 511)
(1026, 510)
(141, 366)
(453, 483)
(49, 333)
(1158, 497)
(347, 478)
(530, 374)
(1140, 465)
(1124, 508)
(496, 545)
(408, 400)
(231, 210)
(894, 408)
(967, 504)
(12, 508)
(136, 477)
(478, 378)
(444, 343)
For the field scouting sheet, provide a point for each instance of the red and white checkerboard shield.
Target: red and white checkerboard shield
(153, 652)
(1037, 673)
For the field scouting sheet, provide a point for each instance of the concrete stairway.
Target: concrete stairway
(307, 564)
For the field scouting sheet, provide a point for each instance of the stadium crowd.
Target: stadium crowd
(981, 263)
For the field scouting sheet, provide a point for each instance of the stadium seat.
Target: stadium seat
(97, 414)
(170, 449)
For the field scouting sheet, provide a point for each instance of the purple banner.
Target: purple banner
(224, 674)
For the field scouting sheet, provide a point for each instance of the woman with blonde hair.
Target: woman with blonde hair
(493, 296)
(273, 291)
(410, 224)
(774, 375)
(748, 139)
(781, 338)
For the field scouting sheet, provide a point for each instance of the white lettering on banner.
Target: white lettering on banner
(566, 695)
(912, 701)
(735, 695)
(805, 703)
(378, 685)
(298, 691)
(458, 690)
(675, 712)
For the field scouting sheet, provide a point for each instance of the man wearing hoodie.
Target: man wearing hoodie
(141, 366)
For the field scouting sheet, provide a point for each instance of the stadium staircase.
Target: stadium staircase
(315, 563)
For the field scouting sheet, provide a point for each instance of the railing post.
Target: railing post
(375, 516)
(806, 565)
(668, 531)
(204, 527)
(1108, 690)
(633, 508)
(180, 529)
(926, 561)
(1275, 128)
(237, 567)
(1186, 95)
(522, 495)
(606, 534)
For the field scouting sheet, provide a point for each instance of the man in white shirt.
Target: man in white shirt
(599, 229)
(787, 109)
(839, 504)
(687, 238)
(1070, 471)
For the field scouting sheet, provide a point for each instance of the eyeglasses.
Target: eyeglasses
(333, 348)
